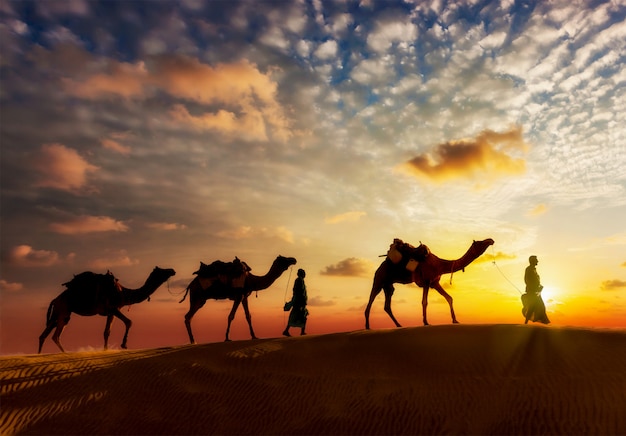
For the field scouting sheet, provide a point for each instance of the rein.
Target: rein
(500, 271)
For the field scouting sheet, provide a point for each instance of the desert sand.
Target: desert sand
(450, 379)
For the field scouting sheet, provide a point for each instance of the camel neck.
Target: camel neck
(257, 283)
(134, 296)
(449, 266)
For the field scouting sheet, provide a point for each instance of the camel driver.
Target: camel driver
(297, 305)
(534, 308)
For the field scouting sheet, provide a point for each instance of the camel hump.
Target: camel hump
(229, 273)
(403, 251)
(89, 279)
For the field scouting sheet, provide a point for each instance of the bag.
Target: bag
(411, 265)
(288, 306)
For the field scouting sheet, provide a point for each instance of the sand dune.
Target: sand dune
(453, 379)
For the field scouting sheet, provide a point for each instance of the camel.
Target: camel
(199, 294)
(426, 275)
(91, 294)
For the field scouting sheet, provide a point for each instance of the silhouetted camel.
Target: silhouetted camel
(198, 295)
(426, 275)
(91, 294)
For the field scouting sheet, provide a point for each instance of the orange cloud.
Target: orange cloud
(348, 216)
(61, 168)
(348, 267)
(115, 146)
(486, 156)
(166, 226)
(245, 98)
(25, 255)
(10, 287)
(118, 259)
(249, 126)
(89, 224)
(122, 79)
(245, 232)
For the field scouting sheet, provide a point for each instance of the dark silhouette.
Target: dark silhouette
(91, 294)
(406, 264)
(299, 312)
(203, 288)
(534, 308)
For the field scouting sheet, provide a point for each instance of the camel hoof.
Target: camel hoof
(123, 346)
(455, 322)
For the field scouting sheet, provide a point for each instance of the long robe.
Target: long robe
(534, 308)
(299, 312)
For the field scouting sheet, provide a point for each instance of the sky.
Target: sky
(136, 134)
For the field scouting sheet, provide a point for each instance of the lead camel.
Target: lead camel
(427, 274)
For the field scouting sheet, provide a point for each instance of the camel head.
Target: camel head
(162, 274)
(284, 262)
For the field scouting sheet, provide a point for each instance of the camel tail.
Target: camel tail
(184, 296)
(49, 314)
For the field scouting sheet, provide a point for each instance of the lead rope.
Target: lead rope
(287, 288)
(498, 268)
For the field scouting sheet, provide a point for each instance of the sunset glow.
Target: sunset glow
(204, 130)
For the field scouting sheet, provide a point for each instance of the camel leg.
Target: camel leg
(388, 294)
(375, 291)
(448, 298)
(193, 308)
(231, 315)
(244, 303)
(56, 337)
(44, 335)
(127, 322)
(424, 303)
(107, 331)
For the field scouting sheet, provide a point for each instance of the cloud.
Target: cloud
(540, 209)
(25, 255)
(244, 97)
(348, 267)
(115, 146)
(248, 232)
(390, 31)
(120, 258)
(249, 126)
(61, 168)
(623, 265)
(120, 79)
(327, 50)
(485, 156)
(488, 257)
(89, 224)
(613, 285)
(166, 226)
(318, 301)
(351, 216)
(10, 287)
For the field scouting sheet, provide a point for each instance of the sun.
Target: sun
(551, 293)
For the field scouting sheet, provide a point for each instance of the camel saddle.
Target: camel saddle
(404, 254)
(231, 274)
(88, 279)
